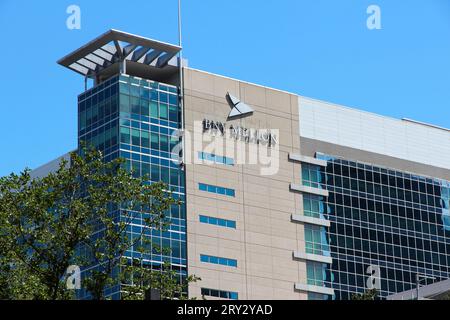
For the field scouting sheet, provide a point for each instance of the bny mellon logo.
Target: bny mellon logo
(239, 109)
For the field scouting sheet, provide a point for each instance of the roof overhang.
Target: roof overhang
(104, 55)
(435, 291)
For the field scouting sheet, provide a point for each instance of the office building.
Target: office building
(285, 197)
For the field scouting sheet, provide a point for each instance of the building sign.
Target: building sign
(238, 108)
(257, 136)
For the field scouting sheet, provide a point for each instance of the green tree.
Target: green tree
(138, 280)
(446, 296)
(371, 294)
(16, 282)
(78, 215)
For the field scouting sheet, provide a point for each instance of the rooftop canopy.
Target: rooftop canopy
(435, 291)
(117, 51)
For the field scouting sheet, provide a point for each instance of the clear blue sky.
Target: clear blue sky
(316, 48)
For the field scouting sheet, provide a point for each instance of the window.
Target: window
(164, 141)
(154, 94)
(317, 296)
(316, 273)
(135, 105)
(218, 222)
(145, 137)
(216, 159)
(124, 88)
(316, 240)
(145, 110)
(154, 141)
(136, 169)
(155, 173)
(217, 260)
(153, 109)
(165, 175)
(124, 103)
(220, 294)
(145, 93)
(217, 190)
(135, 137)
(134, 91)
(173, 113)
(163, 111)
(312, 176)
(124, 135)
(145, 170)
(174, 141)
(313, 206)
(163, 97)
(174, 175)
(173, 99)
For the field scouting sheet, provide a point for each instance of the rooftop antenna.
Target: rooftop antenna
(180, 65)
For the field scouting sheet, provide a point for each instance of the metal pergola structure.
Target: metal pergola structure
(119, 50)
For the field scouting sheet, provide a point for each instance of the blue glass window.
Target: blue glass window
(230, 192)
(218, 260)
(154, 109)
(124, 135)
(135, 91)
(124, 88)
(216, 159)
(317, 296)
(220, 294)
(313, 206)
(312, 176)
(218, 222)
(173, 99)
(380, 217)
(217, 190)
(316, 273)
(316, 240)
(233, 295)
(163, 111)
(144, 139)
(135, 137)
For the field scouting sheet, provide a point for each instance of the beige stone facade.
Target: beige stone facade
(265, 238)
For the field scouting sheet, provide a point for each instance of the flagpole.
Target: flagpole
(180, 65)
